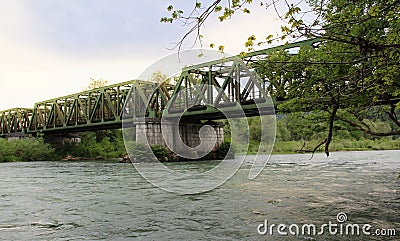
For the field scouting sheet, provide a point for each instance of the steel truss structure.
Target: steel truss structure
(202, 92)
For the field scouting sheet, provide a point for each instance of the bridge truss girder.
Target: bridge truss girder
(15, 120)
(82, 111)
(224, 84)
(147, 99)
(205, 90)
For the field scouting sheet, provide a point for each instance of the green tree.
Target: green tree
(28, 149)
(95, 83)
(352, 75)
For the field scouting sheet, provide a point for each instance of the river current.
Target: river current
(106, 200)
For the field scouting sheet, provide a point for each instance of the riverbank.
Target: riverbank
(28, 149)
(292, 147)
(37, 150)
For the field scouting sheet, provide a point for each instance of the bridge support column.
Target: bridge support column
(63, 139)
(188, 133)
(17, 136)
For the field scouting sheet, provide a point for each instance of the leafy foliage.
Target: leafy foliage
(139, 152)
(336, 78)
(29, 149)
(352, 76)
(95, 83)
(106, 143)
(160, 152)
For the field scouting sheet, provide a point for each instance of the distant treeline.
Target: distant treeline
(302, 132)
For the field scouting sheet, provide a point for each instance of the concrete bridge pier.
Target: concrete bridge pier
(189, 134)
(17, 136)
(61, 139)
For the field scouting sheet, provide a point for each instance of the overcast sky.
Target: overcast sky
(50, 48)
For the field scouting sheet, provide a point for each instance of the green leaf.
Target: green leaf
(252, 38)
(285, 29)
(246, 11)
(374, 11)
(235, 3)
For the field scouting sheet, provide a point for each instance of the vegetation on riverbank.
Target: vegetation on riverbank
(29, 149)
(105, 143)
(287, 147)
(304, 132)
(296, 133)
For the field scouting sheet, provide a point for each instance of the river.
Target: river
(111, 201)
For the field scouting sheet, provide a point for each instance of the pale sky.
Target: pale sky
(51, 48)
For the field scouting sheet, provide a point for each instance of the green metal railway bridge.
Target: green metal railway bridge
(103, 108)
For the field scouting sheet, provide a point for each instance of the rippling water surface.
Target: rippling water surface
(111, 201)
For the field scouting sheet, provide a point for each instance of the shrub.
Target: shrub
(28, 149)
(161, 152)
(139, 152)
